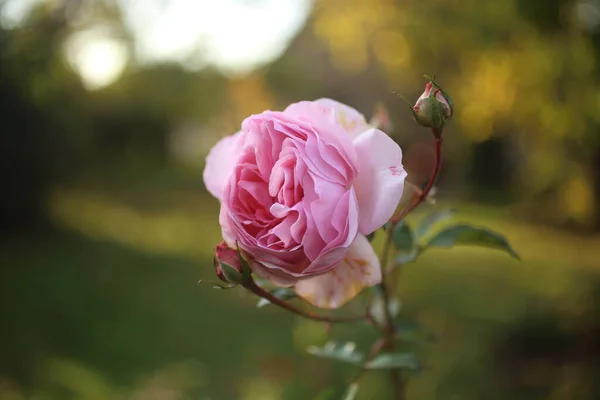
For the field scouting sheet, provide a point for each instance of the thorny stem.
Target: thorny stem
(398, 383)
(257, 290)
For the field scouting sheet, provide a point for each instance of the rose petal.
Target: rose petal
(353, 122)
(359, 269)
(380, 181)
(274, 275)
(220, 163)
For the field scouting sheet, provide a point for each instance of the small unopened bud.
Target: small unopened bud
(229, 265)
(434, 108)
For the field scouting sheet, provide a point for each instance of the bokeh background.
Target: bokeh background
(108, 108)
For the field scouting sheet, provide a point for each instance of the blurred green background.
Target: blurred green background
(108, 108)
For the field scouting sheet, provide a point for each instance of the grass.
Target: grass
(109, 307)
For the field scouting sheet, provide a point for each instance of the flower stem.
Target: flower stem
(398, 384)
(257, 290)
(390, 329)
(425, 192)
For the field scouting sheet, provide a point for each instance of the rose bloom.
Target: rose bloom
(300, 189)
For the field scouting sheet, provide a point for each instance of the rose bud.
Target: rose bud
(229, 265)
(434, 108)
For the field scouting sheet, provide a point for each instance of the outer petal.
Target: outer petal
(275, 276)
(359, 269)
(380, 181)
(353, 121)
(220, 162)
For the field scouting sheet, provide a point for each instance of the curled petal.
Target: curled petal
(380, 181)
(220, 163)
(358, 270)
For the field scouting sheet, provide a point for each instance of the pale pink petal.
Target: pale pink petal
(380, 181)
(220, 163)
(358, 270)
(353, 122)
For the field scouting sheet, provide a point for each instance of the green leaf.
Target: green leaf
(338, 351)
(340, 392)
(403, 237)
(371, 236)
(281, 293)
(409, 330)
(430, 220)
(351, 392)
(377, 309)
(411, 256)
(332, 393)
(393, 360)
(473, 236)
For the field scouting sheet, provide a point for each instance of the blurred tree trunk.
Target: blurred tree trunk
(491, 171)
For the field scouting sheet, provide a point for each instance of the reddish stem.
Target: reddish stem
(257, 290)
(425, 192)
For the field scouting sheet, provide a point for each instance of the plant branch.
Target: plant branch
(257, 290)
(398, 384)
(390, 329)
(425, 192)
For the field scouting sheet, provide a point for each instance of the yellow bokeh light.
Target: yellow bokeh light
(260, 389)
(391, 48)
(578, 199)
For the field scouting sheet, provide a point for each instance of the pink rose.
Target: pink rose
(300, 189)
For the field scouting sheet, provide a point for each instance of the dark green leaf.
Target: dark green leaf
(393, 360)
(411, 331)
(403, 237)
(408, 331)
(431, 220)
(281, 293)
(473, 236)
(410, 256)
(338, 351)
(371, 236)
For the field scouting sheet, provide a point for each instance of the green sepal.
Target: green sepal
(246, 271)
(217, 285)
(230, 273)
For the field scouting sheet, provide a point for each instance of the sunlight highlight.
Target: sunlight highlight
(98, 59)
